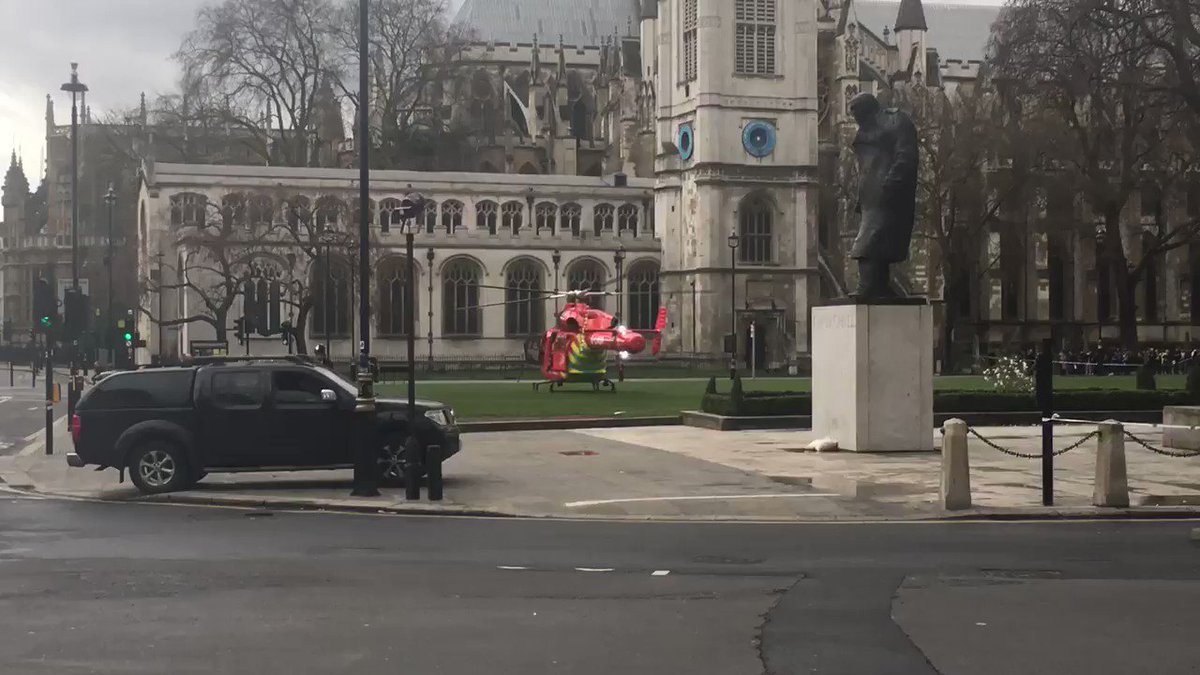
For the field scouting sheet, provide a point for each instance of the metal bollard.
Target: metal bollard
(1112, 481)
(955, 492)
(433, 472)
(412, 468)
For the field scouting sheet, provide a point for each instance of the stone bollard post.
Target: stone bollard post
(955, 491)
(1112, 483)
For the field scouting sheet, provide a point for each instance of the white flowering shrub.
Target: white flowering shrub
(1008, 373)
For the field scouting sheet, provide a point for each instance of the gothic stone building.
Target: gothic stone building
(660, 127)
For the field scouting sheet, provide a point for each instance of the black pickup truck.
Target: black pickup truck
(171, 426)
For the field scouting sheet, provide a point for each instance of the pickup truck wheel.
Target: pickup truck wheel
(158, 466)
(391, 460)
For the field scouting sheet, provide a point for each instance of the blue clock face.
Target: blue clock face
(686, 141)
(759, 138)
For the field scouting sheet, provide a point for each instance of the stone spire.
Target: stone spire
(911, 16)
(15, 183)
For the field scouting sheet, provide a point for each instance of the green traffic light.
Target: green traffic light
(128, 337)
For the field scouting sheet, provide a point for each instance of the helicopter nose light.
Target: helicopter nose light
(624, 355)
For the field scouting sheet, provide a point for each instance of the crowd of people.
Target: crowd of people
(1113, 360)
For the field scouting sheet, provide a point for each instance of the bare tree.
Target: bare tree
(1097, 81)
(412, 50)
(962, 187)
(215, 251)
(268, 64)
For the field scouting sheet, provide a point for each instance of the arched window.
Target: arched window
(587, 274)
(389, 215)
(260, 212)
(394, 310)
(331, 297)
(452, 213)
(188, 209)
(510, 214)
(461, 314)
(523, 311)
(485, 216)
(571, 217)
(754, 224)
(431, 217)
(545, 217)
(356, 217)
(262, 298)
(627, 219)
(643, 295)
(233, 210)
(329, 213)
(529, 168)
(602, 219)
(299, 212)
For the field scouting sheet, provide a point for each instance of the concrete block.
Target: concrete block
(872, 379)
(1112, 482)
(955, 490)
(1186, 416)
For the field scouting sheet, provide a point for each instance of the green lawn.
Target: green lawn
(510, 400)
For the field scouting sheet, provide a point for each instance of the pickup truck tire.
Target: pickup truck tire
(157, 466)
(391, 459)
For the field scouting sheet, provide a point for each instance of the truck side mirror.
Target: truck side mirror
(328, 396)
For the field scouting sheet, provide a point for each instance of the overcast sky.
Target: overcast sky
(123, 47)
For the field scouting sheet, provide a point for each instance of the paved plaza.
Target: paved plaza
(682, 473)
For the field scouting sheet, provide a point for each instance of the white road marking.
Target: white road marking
(36, 407)
(596, 502)
(660, 573)
(593, 569)
(511, 567)
(5, 399)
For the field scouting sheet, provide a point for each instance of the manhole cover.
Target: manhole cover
(578, 453)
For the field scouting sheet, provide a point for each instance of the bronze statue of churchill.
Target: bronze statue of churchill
(886, 149)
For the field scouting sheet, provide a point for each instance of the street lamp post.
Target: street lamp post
(158, 257)
(734, 240)
(556, 258)
(619, 261)
(110, 338)
(366, 459)
(77, 89)
(429, 256)
(326, 283)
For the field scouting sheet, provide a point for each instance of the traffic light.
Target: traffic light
(239, 330)
(45, 306)
(75, 313)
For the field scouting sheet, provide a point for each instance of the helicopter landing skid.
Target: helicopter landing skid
(558, 384)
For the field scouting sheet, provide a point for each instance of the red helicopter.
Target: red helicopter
(576, 348)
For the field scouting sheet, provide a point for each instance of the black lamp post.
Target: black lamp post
(429, 256)
(556, 258)
(366, 450)
(110, 338)
(734, 240)
(619, 261)
(77, 89)
(327, 241)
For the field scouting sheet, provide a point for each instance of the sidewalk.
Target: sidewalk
(1000, 483)
(537, 474)
(680, 473)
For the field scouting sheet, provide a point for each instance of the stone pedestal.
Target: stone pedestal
(1184, 416)
(872, 382)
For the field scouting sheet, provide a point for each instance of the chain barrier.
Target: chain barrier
(1027, 455)
(1162, 451)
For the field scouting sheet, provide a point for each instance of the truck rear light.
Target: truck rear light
(76, 429)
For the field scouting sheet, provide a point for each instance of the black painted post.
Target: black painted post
(433, 472)
(49, 393)
(412, 467)
(1044, 386)
(11, 376)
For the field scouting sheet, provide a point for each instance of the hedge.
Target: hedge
(800, 403)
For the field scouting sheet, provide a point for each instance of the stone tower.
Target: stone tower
(736, 87)
(911, 32)
(15, 195)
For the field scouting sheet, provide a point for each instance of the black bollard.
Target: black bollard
(412, 468)
(1044, 387)
(433, 472)
(11, 376)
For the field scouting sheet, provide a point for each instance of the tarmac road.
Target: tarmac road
(88, 587)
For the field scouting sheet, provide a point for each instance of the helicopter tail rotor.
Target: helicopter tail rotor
(659, 326)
